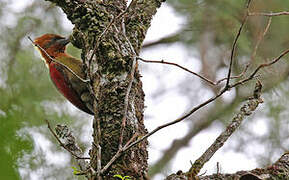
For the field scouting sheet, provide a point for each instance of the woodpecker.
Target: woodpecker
(58, 62)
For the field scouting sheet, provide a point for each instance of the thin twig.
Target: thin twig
(71, 144)
(98, 162)
(131, 78)
(98, 149)
(178, 119)
(210, 100)
(246, 110)
(54, 60)
(194, 73)
(59, 141)
(179, 66)
(268, 14)
(194, 109)
(126, 101)
(95, 143)
(252, 75)
(128, 146)
(98, 40)
(235, 43)
(237, 76)
(253, 54)
(260, 38)
(218, 168)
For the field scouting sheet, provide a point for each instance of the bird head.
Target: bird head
(52, 44)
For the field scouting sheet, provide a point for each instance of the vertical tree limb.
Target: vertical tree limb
(110, 75)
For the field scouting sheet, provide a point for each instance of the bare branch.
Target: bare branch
(177, 65)
(237, 76)
(210, 100)
(235, 43)
(275, 60)
(126, 100)
(245, 110)
(95, 143)
(165, 40)
(278, 170)
(253, 54)
(194, 73)
(131, 78)
(268, 14)
(260, 38)
(178, 119)
(69, 143)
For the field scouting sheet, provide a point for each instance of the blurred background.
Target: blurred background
(197, 34)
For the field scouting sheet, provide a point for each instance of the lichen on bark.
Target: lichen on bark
(110, 74)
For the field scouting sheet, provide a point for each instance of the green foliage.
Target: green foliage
(75, 170)
(27, 95)
(122, 177)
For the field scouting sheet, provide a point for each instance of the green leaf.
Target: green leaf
(75, 170)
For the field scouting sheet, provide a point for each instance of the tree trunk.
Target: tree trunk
(111, 71)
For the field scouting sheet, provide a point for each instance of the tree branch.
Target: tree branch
(194, 109)
(202, 122)
(245, 110)
(260, 38)
(268, 14)
(179, 66)
(69, 143)
(165, 40)
(235, 43)
(278, 170)
(275, 60)
(194, 73)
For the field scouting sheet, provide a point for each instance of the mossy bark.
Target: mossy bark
(110, 71)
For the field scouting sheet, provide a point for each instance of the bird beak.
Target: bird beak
(63, 41)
